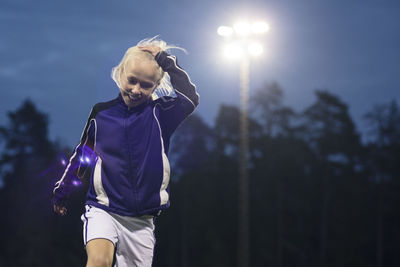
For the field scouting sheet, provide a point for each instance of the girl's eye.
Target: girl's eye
(146, 85)
(132, 81)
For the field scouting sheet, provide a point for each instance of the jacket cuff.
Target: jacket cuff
(161, 59)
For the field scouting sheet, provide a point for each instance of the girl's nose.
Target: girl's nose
(135, 89)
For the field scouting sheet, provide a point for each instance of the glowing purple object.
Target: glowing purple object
(76, 183)
(63, 162)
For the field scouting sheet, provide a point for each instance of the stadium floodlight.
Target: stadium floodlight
(234, 50)
(243, 34)
(255, 49)
(242, 28)
(259, 27)
(225, 31)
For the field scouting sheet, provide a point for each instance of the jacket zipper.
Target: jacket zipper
(130, 172)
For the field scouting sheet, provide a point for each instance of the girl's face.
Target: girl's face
(138, 80)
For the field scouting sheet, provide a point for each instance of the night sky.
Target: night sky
(60, 53)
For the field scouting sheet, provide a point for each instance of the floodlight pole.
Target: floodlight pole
(243, 194)
(241, 32)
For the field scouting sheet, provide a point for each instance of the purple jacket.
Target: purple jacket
(127, 149)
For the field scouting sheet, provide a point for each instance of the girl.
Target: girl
(128, 139)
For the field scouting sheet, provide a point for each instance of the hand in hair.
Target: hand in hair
(150, 48)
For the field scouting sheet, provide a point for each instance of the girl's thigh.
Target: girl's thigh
(100, 252)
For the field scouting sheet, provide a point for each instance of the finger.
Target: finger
(147, 49)
(60, 210)
(150, 48)
(56, 208)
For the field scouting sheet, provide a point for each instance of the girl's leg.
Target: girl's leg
(136, 241)
(100, 236)
(100, 253)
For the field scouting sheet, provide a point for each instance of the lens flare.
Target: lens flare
(76, 182)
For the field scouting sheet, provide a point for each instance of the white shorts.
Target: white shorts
(133, 237)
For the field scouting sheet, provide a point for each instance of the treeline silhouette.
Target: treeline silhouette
(319, 196)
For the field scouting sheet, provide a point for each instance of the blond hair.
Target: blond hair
(164, 87)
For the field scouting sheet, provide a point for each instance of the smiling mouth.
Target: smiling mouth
(133, 98)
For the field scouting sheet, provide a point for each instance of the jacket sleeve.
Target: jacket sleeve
(78, 163)
(174, 110)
